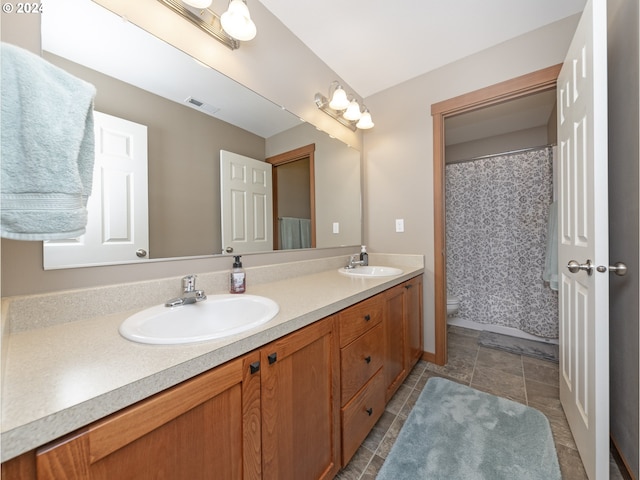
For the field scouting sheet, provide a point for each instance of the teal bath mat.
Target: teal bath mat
(457, 432)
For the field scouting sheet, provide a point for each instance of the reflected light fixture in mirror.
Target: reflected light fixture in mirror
(234, 26)
(198, 3)
(345, 111)
(236, 21)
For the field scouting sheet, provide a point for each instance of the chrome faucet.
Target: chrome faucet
(354, 261)
(191, 295)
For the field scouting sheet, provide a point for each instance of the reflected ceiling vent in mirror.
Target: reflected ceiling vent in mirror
(210, 109)
(344, 108)
(234, 26)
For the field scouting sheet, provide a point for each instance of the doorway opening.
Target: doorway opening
(294, 197)
(539, 81)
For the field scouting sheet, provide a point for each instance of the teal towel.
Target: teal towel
(47, 148)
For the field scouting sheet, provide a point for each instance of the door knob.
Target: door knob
(141, 253)
(575, 267)
(618, 268)
(228, 250)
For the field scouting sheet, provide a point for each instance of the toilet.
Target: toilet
(453, 305)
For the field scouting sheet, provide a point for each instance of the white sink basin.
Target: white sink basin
(371, 271)
(216, 317)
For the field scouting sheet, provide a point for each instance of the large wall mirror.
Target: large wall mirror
(192, 112)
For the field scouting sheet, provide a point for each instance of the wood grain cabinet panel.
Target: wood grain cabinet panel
(359, 318)
(403, 332)
(361, 414)
(203, 428)
(359, 361)
(300, 404)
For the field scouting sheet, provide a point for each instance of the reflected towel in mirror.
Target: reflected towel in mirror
(294, 232)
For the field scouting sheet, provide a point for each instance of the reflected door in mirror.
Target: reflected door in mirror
(246, 204)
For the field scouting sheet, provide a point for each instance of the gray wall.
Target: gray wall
(624, 184)
(398, 152)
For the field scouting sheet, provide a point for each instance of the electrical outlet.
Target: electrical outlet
(399, 225)
(336, 227)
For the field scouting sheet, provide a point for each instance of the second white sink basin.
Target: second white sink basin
(371, 271)
(216, 317)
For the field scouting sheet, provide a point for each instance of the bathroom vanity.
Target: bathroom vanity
(297, 406)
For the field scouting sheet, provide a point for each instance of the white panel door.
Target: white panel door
(583, 238)
(246, 204)
(118, 212)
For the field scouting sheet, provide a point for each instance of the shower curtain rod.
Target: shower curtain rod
(510, 152)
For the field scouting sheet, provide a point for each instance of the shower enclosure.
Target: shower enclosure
(496, 234)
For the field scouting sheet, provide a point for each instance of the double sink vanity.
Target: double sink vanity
(290, 393)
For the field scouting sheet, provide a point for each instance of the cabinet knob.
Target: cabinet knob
(254, 367)
(272, 357)
(367, 317)
(369, 411)
(367, 359)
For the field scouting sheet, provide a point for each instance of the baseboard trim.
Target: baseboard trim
(429, 357)
(625, 471)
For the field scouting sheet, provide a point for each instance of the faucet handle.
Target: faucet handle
(189, 283)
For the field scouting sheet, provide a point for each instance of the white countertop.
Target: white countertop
(61, 377)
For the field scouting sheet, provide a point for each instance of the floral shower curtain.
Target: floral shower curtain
(496, 218)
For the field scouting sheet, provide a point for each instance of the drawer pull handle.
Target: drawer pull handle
(272, 357)
(367, 317)
(254, 367)
(408, 286)
(369, 411)
(367, 359)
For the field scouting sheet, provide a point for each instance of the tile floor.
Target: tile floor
(523, 379)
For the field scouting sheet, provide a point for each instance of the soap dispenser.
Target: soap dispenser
(364, 256)
(237, 278)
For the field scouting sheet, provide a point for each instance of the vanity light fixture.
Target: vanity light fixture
(236, 21)
(345, 111)
(203, 17)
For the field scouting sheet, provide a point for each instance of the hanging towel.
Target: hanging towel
(305, 233)
(289, 233)
(47, 148)
(550, 273)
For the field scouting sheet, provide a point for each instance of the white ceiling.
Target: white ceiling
(376, 44)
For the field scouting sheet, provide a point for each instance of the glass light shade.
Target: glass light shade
(339, 100)
(198, 3)
(236, 21)
(365, 121)
(353, 111)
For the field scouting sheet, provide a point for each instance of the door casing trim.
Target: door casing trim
(538, 81)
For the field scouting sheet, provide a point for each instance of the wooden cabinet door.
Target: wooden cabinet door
(395, 341)
(413, 319)
(300, 404)
(207, 427)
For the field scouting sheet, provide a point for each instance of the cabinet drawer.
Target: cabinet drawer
(356, 320)
(360, 360)
(361, 414)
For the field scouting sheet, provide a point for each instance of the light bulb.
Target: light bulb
(236, 21)
(339, 100)
(353, 111)
(365, 121)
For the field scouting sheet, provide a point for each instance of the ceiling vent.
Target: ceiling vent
(205, 107)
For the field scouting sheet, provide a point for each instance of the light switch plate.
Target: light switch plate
(336, 227)
(399, 225)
